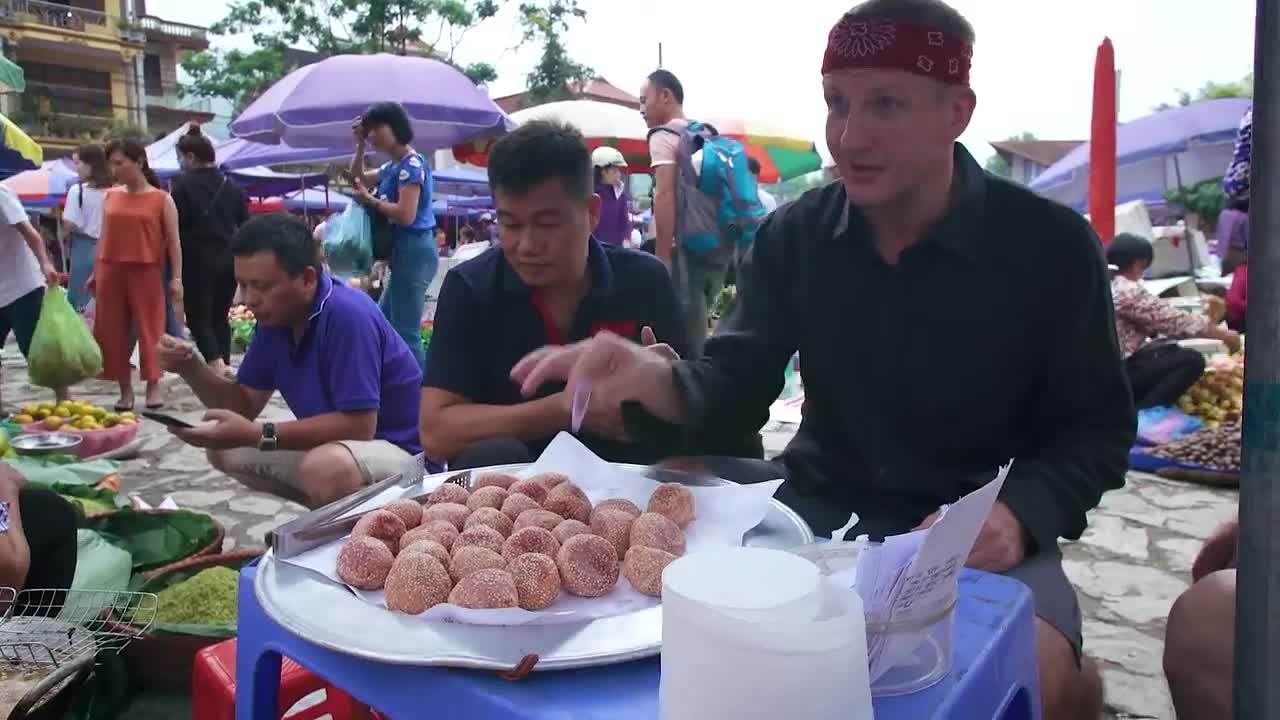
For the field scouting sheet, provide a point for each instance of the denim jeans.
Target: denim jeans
(414, 260)
(84, 248)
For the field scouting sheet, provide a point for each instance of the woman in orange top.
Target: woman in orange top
(139, 232)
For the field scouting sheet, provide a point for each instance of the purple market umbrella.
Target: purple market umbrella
(313, 106)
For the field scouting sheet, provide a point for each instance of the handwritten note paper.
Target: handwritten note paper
(911, 577)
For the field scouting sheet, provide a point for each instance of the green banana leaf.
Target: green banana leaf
(63, 469)
(156, 539)
(99, 566)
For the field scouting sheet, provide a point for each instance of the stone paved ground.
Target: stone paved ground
(1129, 567)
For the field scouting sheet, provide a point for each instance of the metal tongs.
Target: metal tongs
(333, 521)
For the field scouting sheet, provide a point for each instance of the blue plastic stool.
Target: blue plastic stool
(993, 674)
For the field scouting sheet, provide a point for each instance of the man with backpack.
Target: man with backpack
(705, 203)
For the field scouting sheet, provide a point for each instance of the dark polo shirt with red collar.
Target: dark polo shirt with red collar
(487, 319)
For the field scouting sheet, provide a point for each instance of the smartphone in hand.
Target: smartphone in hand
(167, 420)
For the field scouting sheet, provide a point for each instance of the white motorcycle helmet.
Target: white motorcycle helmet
(604, 156)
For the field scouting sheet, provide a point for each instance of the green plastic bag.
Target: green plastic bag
(63, 351)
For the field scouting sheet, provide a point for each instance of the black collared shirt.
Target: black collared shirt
(487, 319)
(993, 338)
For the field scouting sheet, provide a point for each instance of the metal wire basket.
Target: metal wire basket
(49, 638)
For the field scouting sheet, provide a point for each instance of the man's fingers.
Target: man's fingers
(554, 364)
(218, 415)
(526, 364)
(664, 350)
(647, 337)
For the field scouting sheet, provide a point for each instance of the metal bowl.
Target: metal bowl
(45, 443)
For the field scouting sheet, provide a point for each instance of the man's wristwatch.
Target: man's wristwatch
(268, 441)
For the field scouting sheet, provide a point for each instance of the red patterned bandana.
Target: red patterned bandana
(894, 44)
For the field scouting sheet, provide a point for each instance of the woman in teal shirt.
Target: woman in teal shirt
(404, 197)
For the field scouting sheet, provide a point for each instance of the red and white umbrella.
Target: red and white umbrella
(601, 123)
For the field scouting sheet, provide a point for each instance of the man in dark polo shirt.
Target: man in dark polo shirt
(346, 375)
(947, 320)
(549, 283)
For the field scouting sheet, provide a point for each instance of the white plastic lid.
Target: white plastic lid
(742, 578)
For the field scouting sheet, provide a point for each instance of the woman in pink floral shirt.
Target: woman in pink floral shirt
(1159, 369)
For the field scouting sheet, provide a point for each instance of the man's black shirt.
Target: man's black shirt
(993, 338)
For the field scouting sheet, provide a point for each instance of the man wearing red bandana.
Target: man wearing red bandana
(947, 321)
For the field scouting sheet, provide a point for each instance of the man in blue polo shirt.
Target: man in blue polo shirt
(550, 282)
(343, 371)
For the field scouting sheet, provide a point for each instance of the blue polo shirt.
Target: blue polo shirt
(487, 319)
(348, 360)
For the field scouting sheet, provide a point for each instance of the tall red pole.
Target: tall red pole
(1102, 144)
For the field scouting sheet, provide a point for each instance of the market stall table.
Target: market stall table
(993, 674)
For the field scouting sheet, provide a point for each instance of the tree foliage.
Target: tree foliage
(330, 27)
(1242, 88)
(556, 74)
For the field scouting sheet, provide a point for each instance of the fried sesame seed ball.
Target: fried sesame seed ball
(622, 504)
(430, 547)
(407, 510)
(471, 558)
(381, 525)
(550, 480)
(530, 487)
(544, 519)
(675, 501)
(569, 528)
(568, 501)
(486, 589)
(441, 531)
(530, 540)
(453, 513)
(363, 562)
(482, 536)
(537, 580)
(492, 497)
(588, 566)
(614, 526)
(657, 531)
(517, 503)
(448, 493)
(417, 582)
(492, 518)
(643, 569)
(498, 480)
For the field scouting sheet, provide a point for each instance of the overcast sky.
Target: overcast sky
(1032, 71)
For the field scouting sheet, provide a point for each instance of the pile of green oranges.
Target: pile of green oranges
(73, 416)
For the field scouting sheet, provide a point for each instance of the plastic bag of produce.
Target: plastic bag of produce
(63, 351)
(1158, 426)
(348, 241)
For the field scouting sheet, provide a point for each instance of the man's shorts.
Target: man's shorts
(377, 460)
(1054, 597)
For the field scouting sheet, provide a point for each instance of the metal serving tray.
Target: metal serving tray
(327, 614)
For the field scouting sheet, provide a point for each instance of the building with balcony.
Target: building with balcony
(95, 68)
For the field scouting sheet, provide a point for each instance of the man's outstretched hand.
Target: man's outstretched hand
(613, 369)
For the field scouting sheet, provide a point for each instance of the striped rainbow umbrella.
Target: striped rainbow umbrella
(17, 150)
(44, 187)
(782, 155)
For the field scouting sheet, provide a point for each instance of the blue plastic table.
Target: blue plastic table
(993, 675)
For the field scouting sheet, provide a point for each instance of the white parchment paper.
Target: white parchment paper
(723, 515)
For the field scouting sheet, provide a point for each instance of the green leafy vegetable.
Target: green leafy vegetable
(156, 539)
